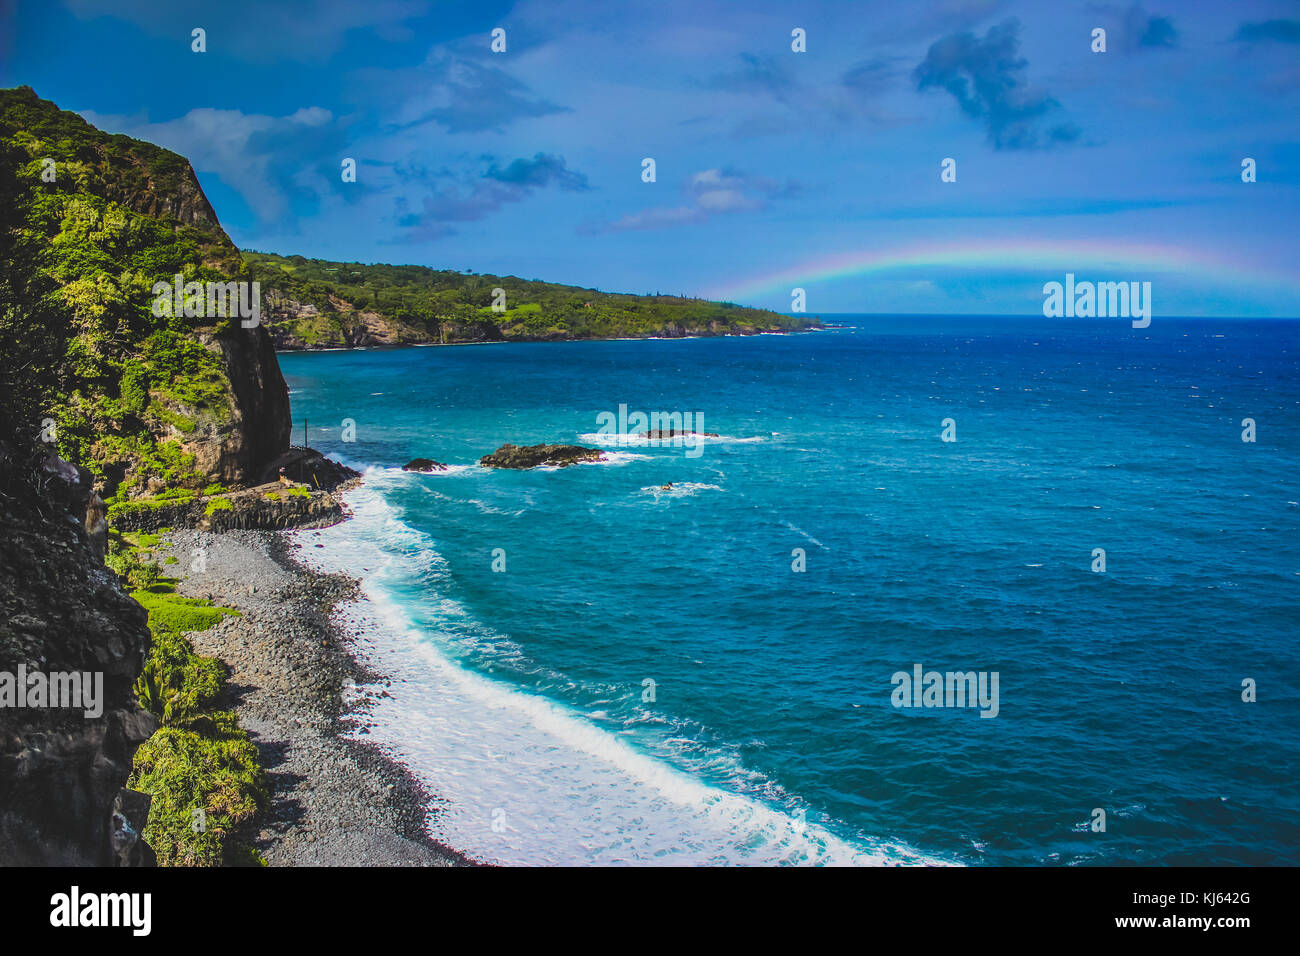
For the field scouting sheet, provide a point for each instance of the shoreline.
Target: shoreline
(335, 800)
(390, 346)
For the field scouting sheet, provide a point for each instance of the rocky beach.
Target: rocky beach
(301, 694)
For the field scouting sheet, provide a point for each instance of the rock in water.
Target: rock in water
(531, 456)
(424, 464)
(659, 434)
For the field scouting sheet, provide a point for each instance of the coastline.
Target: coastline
(335, 800)
(286, 349)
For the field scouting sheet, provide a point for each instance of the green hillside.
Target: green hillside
(313, 303)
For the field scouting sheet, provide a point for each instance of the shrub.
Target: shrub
(175, 682)
(134, 389)
(203, 785)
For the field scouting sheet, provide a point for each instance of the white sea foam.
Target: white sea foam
(522, 779)
(800, 531)
(371, 470)
(609, 458)
(449, 472)
(681, 489)
(612, 440)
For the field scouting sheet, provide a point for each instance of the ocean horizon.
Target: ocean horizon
(687, 653)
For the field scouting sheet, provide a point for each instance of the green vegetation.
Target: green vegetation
(82, 241)
(127, 562)
(199, 767)
(419, 304)
(88, 223)
(123, 509)
(175, 682)
(218, 504)
(298, 492)
(203, 786)
(175, 614)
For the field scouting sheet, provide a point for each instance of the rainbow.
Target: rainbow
(1051, 259)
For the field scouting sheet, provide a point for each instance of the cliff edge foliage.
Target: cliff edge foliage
(92, 221)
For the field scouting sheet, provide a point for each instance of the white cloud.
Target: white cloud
(240, 148)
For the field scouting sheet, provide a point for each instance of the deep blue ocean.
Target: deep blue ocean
(523, 696)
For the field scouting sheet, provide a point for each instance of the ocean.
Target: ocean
(589, 667)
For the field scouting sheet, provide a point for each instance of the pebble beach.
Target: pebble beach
(301, 694)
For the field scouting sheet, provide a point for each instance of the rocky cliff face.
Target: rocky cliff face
(116, 215)
(181, 200)
(141, 400)
(62, 611)
(260, 423)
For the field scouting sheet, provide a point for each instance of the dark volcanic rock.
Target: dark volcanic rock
(424, 464)
(61, 610)
(307, 466)
(259, 430)
(530, 456)
(659, 434)
(248, 510)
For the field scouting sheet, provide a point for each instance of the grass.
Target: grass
(200, 767)
(137, 506)
(169, 611)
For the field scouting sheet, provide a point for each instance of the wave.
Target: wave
(612, 440)
(485, 508)
(800, 531)
(682, 489)
(521, 778)
(611, 458)
(450, 471)
(370, 469)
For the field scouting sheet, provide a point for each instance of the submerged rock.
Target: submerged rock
(531, 456)
(424, 464)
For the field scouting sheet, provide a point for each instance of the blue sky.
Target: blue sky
(774, 168)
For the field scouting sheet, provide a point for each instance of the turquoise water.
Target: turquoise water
(523, 694)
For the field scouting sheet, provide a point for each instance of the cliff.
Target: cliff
(61, 610)
(103, 392)
(145, 401)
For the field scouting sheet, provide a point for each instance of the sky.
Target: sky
(775, 169)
